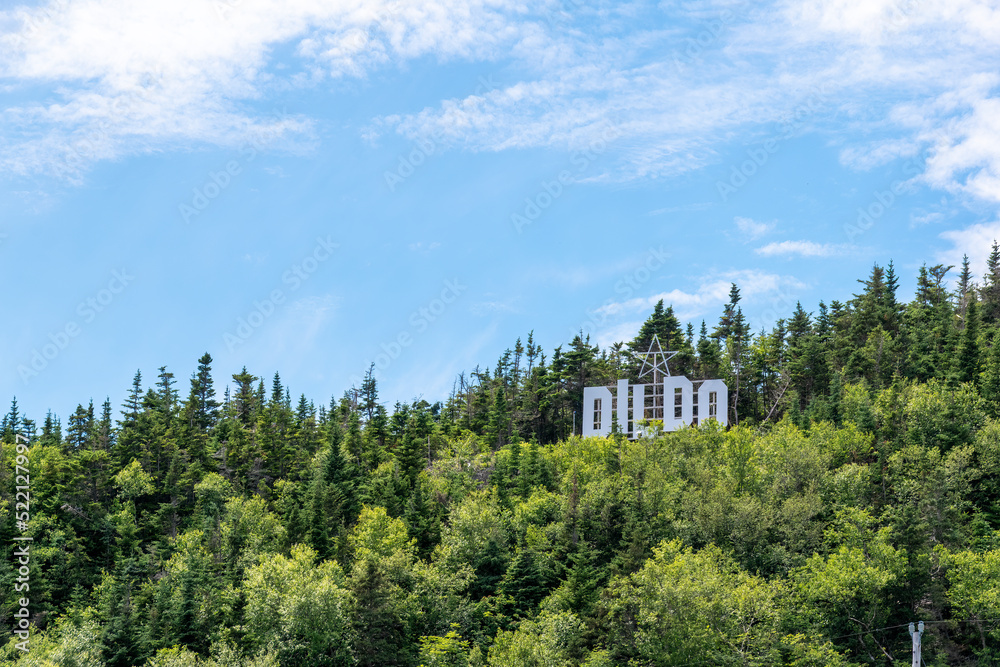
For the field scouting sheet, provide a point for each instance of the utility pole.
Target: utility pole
(915, 635)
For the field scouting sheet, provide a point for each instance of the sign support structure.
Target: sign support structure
(671, 400)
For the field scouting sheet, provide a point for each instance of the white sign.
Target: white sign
(674, 400)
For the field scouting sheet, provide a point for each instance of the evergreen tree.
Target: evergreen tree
(369, 394)
(245, 401)
(734, 331)
(664, 325)
(990, 383)
(81, 426)
(318, 519)
(277, 391)
(967, 366)
(105, 432)
(422, 522)
(410, 456)
(12, 421)
(963, 291)
(499, 419)
(51, 431)
(525, 582)
(709, 355)
(167, 396)
(991, 287)
(133, 403)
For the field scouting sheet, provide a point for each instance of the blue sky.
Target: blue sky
(305, 185)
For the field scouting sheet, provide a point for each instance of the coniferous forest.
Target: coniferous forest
(224, 521)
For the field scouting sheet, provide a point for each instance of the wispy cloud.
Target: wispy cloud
(494, 307)
(130, 78)
(755, 286)
(138, 77)
(752, 229)
(806, 249)
(902, 58)
(975, 241)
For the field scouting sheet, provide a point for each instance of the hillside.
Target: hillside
(855, 491)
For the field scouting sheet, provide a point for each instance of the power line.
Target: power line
(903, 625)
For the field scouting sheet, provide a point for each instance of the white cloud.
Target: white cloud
(806, 249)
(136, 77)
(965, 155)
(752, 229)
(495, 307)
(619, 333)
(125, 78)
(288, 337)
(869, 65)
(975, 241)
(754, 286)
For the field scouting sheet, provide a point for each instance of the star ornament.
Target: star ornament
(656, 359)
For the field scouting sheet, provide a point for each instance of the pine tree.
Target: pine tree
(709, 355)
(277, 391)
(991, 287)
(133, 403)
(663, 324)
(990, 383)
(81, 426)
(245, 401)
(303, 411)
(261, 397)
(167, 395)
(968, 359)
(317, 520)
(734, 331)
(499, 419)
(409, 456)
(963, 291)
(525, 582)
(369, 394)
(422, 522)
(105, 432)
(12, 421)
(51, 431)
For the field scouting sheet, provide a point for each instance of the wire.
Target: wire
(903, 625)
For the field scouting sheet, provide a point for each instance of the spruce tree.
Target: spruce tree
(12, 421)
(410, 454)
(81, 425)
(202, 409)
(963, 291)
(991, 287)
(990, 382)
(968, 359)
(317, 518)
(133, 403)
(420, 517)
(245, 401)
(525, 582)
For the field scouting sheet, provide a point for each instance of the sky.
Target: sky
(312, 186)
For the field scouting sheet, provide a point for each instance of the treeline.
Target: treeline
(856, 491)
(799, 368)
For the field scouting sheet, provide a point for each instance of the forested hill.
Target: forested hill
(855, 491)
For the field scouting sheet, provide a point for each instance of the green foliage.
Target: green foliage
(67, 644)
(857, 489)
(300, 610)
(447, 651)
(694, 607)
(543, 642)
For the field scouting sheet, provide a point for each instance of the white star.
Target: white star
(659, 359)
